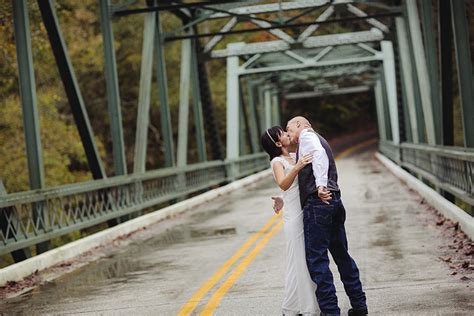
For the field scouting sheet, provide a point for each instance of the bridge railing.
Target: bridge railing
(448, 168)
(31, 217)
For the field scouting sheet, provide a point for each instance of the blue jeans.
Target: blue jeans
(324, 230)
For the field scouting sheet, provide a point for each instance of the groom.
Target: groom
(323, 218)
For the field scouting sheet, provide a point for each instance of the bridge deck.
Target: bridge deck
(393, 237)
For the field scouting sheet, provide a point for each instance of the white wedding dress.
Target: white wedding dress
(300, 297)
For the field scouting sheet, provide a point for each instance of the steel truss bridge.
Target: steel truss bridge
(404, 56)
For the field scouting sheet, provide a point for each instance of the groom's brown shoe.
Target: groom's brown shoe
(357, 312)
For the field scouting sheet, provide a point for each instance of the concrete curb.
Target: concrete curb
(18, 271)
(448, 209)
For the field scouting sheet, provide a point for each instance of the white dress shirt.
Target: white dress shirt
(309, 143)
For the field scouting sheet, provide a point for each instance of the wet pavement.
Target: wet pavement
(392, 236)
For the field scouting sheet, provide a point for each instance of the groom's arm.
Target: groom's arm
(310, 144)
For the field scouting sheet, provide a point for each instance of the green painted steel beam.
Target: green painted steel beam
(420, 122)
(313, 42)
(380, 110)
(407, 78)
(28, 99)
(254, 128)
(261, 108)
(268, 107)
(276, 109)
(197, 106)
(113, 95)
(248, 8)
(29, 105)
(165, 116)
(245, 123)
(421, 69)
(464, 68)
(406, 117)
(391, 88)
(233, 116)
(295, 67)
(445, 35)
(182, 150)
(71, 86)
(338, 91)
(386, 108)
(242, 138)
(144, 94)
(432, 63)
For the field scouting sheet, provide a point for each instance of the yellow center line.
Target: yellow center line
(219, 294)
(202, 291)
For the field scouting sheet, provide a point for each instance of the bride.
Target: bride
(299, 288)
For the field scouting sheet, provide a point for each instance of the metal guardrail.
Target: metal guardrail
(448, 168)
(35, 216)
(390, 150)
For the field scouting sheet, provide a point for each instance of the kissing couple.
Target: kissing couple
(304, 168)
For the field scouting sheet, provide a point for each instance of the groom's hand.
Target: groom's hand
(324, 194)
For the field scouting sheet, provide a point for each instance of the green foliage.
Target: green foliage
(63, 156)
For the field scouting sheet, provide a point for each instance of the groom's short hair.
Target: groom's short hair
(301, 119)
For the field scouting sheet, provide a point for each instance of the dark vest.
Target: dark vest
(306, 180)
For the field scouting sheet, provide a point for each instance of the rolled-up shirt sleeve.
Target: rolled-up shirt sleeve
(309, 143)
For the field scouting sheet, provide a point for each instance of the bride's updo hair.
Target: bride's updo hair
(269, 139)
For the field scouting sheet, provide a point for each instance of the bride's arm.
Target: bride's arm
(284, 182)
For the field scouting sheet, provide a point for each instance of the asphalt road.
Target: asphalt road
(235, 247)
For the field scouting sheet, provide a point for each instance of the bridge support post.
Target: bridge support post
(248, 132)
(268, 107)
(276, 109)
(233, 113)
(379, 102)
(165, 117)
(197, 105)
(254, 128)
(182, 154)
(420, 123)
(29, 107)
(391, 88)
(210, 122)
(28, 99)
(432, 63)
(407, 78)
(144, 94)
(243, 130)
(464, 67)
(113, 97)
(30, 115)
(233, 116)
(446, 75)
(261, 108)
(421, 69)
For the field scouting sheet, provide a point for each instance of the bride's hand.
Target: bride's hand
(277, 204)
(303, 161)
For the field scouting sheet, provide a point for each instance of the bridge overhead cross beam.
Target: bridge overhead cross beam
(373, 35)
(337, 91)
